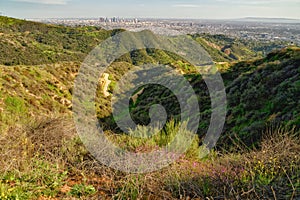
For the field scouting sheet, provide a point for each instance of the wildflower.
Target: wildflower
(223, 170)
(195, 164)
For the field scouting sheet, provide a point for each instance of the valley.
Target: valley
(42, 157)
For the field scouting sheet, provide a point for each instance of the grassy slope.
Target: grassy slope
(29, 91)
(31, 43)
(46, 159)
(226, 49)
(260, 93)
(255, 89)
(263, 92)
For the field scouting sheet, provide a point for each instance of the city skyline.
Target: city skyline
(192, 9)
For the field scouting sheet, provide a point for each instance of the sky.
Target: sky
(196, 9)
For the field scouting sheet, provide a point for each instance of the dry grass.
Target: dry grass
(46, 159)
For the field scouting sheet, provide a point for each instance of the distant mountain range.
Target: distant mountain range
(268, 20)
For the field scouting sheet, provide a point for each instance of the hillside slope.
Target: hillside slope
(260, 91)
(31, 43)
(42, 156)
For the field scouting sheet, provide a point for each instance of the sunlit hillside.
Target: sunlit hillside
(42, 156)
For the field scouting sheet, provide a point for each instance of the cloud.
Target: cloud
(186, 6)
(51, 2)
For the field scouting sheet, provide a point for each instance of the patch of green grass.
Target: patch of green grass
(41, 178)
(147, 139)
(82, 190)
(15, 105)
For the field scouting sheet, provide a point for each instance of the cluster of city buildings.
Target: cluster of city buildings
(252, 30)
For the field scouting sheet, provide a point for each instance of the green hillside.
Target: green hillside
(31, 43)
(255, 89)
(259, 93)
(42, 157)
(227, 49)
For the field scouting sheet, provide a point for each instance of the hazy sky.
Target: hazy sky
(208, 9)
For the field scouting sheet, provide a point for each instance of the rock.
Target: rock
(227, 51)
(104, 82)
